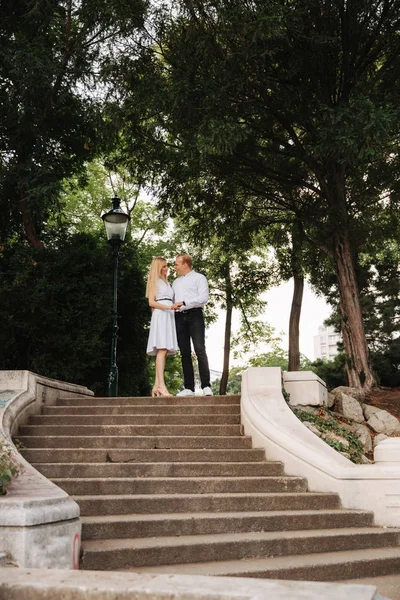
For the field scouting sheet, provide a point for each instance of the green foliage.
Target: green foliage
(173, 374)
(386, 364)
(9, 467)
(325, 422)
(331, 371)
(263, 112)
(234, 382)
(277, 358)
(53, 56)
(55, 309)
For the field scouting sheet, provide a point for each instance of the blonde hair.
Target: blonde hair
(186, 259)
(157, 264)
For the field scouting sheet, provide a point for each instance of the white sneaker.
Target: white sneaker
(186, 392)
(207, 391)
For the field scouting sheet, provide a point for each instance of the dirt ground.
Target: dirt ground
(387, 399)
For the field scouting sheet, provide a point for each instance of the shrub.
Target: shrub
(9, 467)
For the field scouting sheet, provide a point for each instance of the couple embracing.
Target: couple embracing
(178, 320)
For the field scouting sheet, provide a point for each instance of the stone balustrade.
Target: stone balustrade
(39, 522)
(273, 426)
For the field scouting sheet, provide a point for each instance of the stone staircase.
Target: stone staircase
(172, 485)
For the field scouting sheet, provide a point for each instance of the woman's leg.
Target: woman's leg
(160, 366)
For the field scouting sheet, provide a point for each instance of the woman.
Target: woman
(162, 336)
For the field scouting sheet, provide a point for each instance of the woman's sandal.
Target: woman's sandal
(162, 391)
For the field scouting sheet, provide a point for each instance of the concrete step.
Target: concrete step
(86, 455)
(207, 502)
(107, 430)
(181, 485)
(141, 400)
(140, 526)
(144, 409)
(109, 420)
(139, 442)
(324, 566)
(129, 553)
(161, 469)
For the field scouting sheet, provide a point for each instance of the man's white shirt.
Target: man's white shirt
(192, 289)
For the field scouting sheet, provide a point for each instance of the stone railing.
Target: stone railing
(273, 426)
(37, 584)
(39, 522)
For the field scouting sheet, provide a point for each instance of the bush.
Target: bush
(386, 364)
(9, 467)
(55, 312)
(333, 372)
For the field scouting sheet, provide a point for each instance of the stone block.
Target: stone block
(305, 388)
(383, 422)
(388, 451)
(364, 436)
(49, 546)
(46, 584)
(349, 407)
(369, 410)
(379, 438)
(331, 400)
(312, 428)
(349, 391)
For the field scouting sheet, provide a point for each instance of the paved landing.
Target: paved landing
(387, 585)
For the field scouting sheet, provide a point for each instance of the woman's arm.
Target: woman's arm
(154, 304)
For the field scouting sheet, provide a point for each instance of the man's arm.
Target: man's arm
(202, 294)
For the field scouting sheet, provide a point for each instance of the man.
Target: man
(191, 294)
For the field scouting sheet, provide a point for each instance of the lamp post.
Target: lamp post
(116, 222)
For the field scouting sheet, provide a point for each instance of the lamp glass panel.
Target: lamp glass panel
(116, 227)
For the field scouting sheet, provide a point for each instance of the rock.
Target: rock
(331, 400)
(335, 437)
(314, 410)
(348, 427)
(379, 438)
(348, 407)
(349, 391)
(369, 410)
(346, 455)
(383, 422)
(364, 436)
(312, 428)
(364, 460)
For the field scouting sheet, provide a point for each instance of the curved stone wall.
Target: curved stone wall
(39, 522)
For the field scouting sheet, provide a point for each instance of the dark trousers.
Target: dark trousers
(190, 326)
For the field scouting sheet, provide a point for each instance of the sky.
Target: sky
(314, 311)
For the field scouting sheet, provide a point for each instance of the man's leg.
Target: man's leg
(198, 335)
(183, 335)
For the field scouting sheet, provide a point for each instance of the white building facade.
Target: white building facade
(325, 343)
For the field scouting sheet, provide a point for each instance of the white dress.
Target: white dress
(162, 327)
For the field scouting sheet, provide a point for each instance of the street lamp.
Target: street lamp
(116, 222)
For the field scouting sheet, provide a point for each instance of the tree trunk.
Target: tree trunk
(294, 320)
(29, 226)
(355, 344)
(228, 330)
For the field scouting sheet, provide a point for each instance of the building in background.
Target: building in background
(325, 343)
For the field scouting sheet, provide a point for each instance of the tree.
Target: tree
(53, 55)
(236, 265)
(294, 105)
(61, 327)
